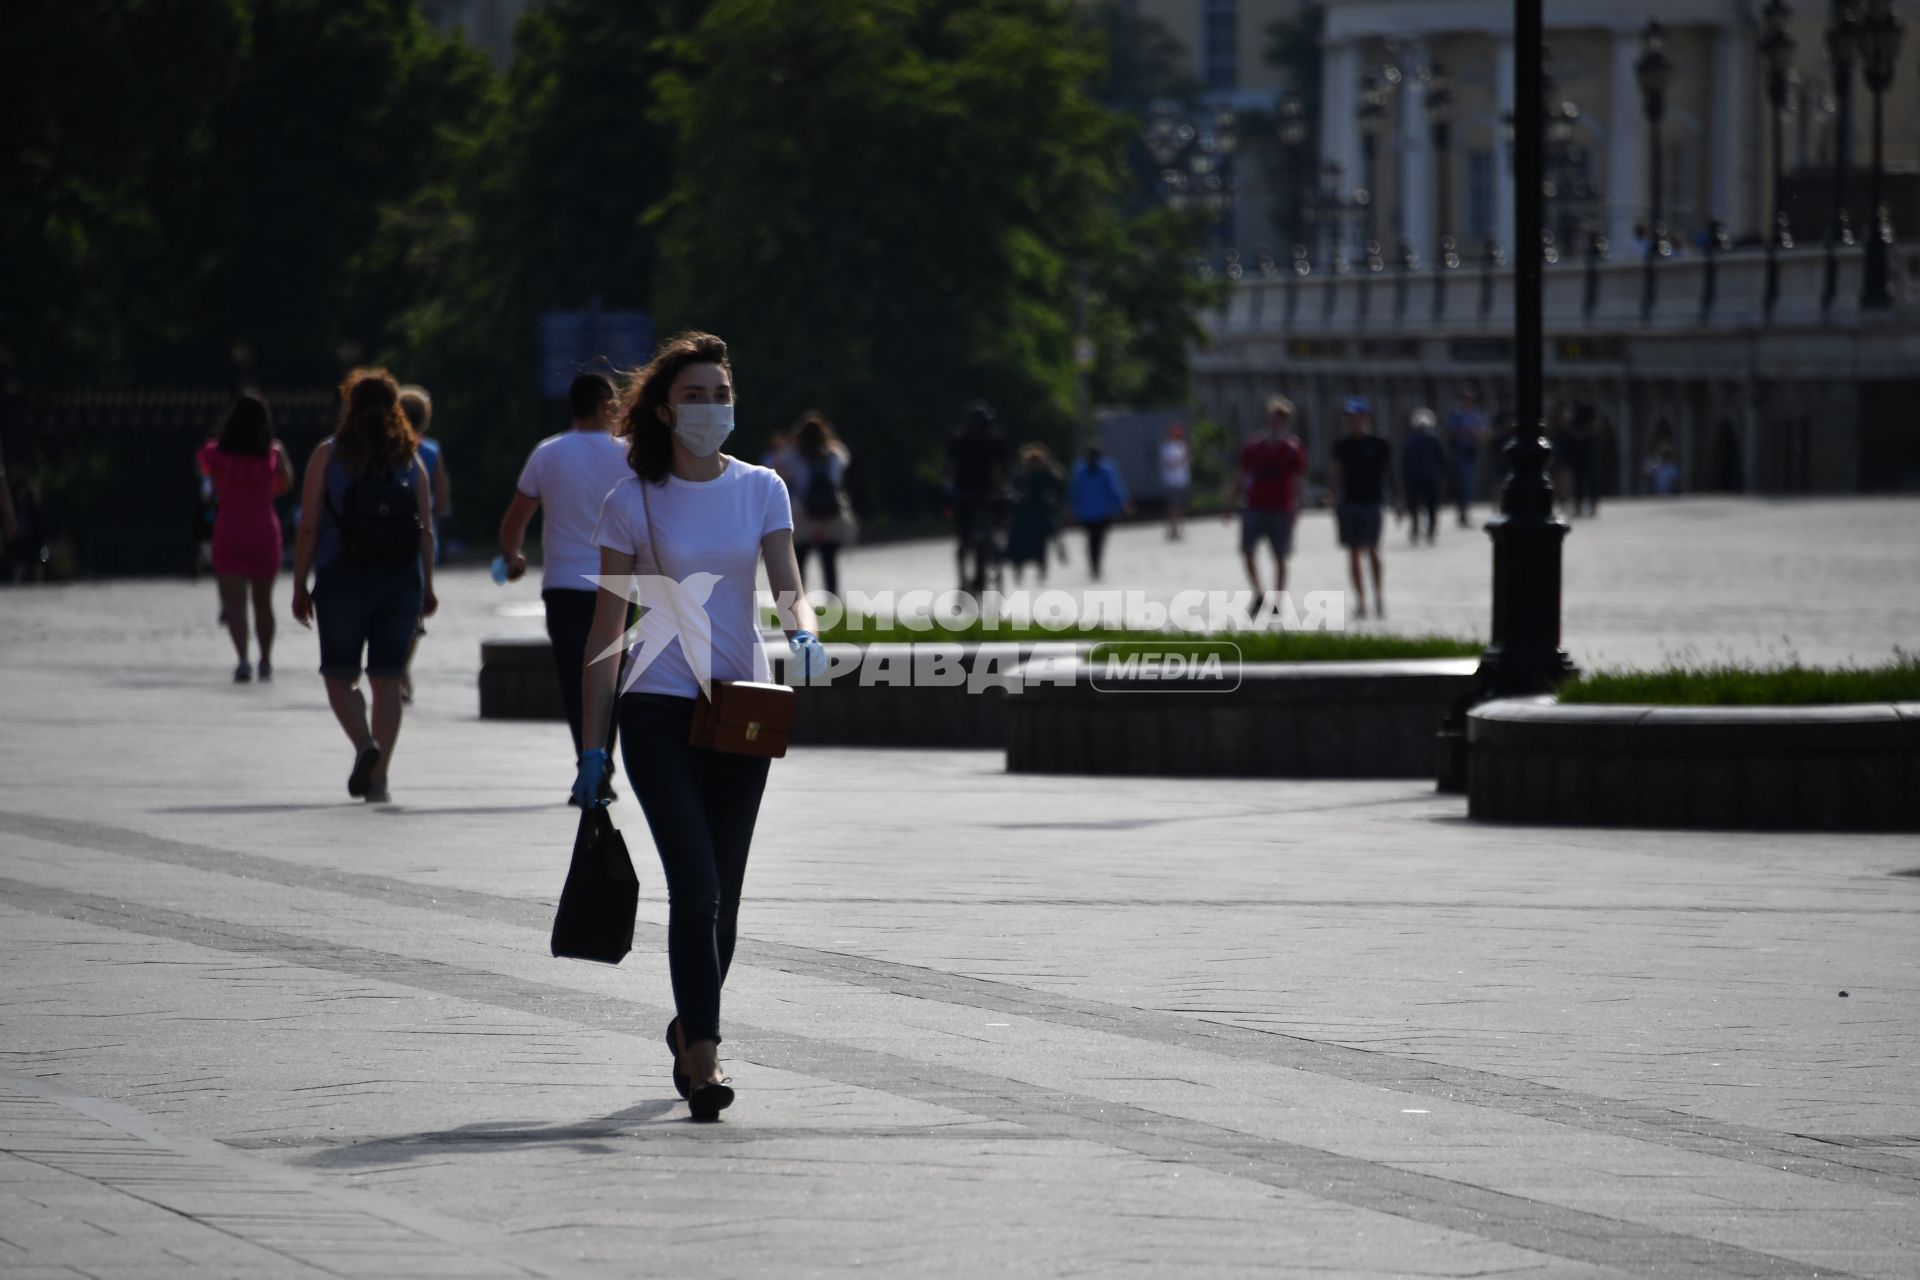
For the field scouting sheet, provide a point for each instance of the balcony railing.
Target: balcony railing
(1724, 291)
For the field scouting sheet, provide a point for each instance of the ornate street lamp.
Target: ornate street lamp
(1293, 141)
(1524, 655)
(1440, 129)
(1880, 35)
(1329, 209)
(1654, 71)
(1776, 47)
(1196, 169)
(1843, 33)
(1373, 116)
(1226, 144)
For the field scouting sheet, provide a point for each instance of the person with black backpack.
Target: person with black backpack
(816, 473)
(367, 537)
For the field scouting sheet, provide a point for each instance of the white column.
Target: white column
(1417, 176)
(1626, 146)
(1503, 173)
(1733, 142)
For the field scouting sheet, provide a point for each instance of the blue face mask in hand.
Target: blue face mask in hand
(809, 655)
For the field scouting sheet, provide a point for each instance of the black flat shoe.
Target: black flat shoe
(709, 1100)
(680, 1078)
(360, 781)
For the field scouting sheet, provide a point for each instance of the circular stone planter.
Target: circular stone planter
(1261, 720)
(1835, 768)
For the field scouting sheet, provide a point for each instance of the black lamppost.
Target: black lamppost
(1776, 47)
(1843, 31)
(1333, 211)
(1225, 146)
(1293, 141)
(1440, 129)
(1524, 656)
(1654, 71)
(1196, 169)
(1880, 35)
(1373, 115)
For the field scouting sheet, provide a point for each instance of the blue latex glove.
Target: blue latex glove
(586, 787)
(809, 654)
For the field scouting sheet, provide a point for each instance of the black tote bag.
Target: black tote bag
(602, 893)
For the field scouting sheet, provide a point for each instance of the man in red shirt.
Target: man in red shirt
(1266, 490)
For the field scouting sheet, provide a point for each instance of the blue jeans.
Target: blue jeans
(701, 806)
(1466, 472)
(370, 610)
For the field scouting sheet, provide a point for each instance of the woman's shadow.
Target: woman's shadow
(587, 1137)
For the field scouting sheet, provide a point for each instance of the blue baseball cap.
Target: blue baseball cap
(1357, 404)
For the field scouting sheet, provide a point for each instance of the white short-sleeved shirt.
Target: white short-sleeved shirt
(571, 475)
(705, 536)
(1176, 470)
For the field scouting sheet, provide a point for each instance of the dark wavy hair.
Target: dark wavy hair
(588, 392)
(650, 441)
(372, 431)
(814, 436)
(248, 427)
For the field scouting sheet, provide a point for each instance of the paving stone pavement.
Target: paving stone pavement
(982, 1024)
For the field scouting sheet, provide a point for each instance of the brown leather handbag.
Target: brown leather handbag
(742, 717)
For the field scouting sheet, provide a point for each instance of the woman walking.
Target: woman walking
(816, 470)
(367, 536)
(1037, 491)
(690, 515)
(1099, 497)
(248, 470)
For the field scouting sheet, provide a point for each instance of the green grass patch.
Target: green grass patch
(1255, 646)
(1736, 685)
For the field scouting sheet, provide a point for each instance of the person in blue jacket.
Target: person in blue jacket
(1097, 494)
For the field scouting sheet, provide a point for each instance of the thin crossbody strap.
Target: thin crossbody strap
(646, 518)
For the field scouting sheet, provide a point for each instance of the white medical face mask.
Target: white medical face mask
(702, 427)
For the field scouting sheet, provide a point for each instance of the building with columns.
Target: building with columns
(1759, 372)
(1715, 136)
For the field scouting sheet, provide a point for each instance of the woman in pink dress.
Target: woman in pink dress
(249, 470)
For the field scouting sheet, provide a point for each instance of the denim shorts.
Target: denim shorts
(1359, 523)
(366, 610)
(1272, 527)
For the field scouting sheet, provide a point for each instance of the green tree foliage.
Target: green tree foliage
(1145, 312)
(559, 196)
(884, 206)
(889, 207)
(1144, 59)
(195, 180)
(92, 123)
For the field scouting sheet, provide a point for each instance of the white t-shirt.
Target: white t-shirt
(571, 474)
(1175, 470)
(706, 539)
